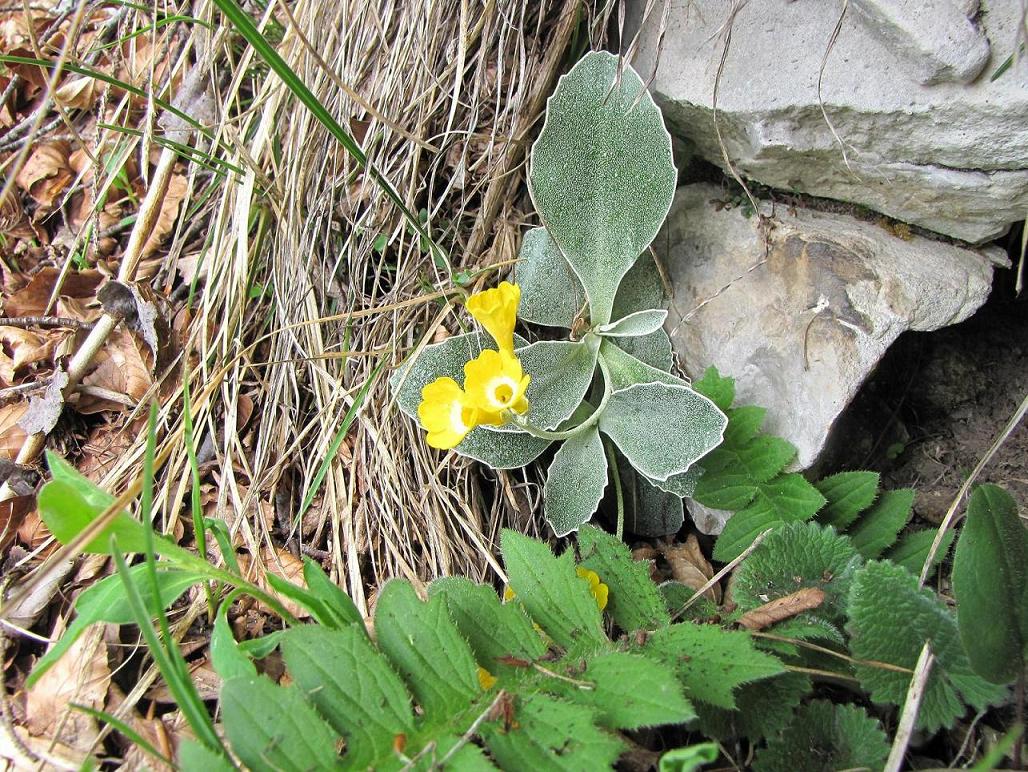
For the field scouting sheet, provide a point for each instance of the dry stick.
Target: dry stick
(149, 211)
(910, 709)
(44, 321)
(951, 513)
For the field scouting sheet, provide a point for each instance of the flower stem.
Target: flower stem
(619, 497)
(589, 422)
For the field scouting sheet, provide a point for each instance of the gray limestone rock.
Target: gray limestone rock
(902, 131)
(801, 310)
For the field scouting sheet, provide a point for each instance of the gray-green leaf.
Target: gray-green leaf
(575, 482)
(551, 294)
(561, 373)
(662, 429)
(602, 175)
(635, 324)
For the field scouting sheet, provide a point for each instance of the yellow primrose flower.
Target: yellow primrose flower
(494, 383)
(446, 413)
(486, 679)
(596, 587)
(496, 309)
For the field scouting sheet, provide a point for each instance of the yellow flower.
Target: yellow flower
(486, 679)
(496, 383)
(446, 413)
(496, 310)
(596, 587)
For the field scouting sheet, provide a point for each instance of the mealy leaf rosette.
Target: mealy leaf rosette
(602, 178)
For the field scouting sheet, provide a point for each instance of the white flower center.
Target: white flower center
(501, 391)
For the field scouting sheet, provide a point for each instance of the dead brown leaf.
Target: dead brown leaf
(31, 300)
(20, 347)
(46, 173)
(782, 608)
(177, 189)
(689, 566)
(81, 676)
(123, 369)
(12, 436)
(77, 93)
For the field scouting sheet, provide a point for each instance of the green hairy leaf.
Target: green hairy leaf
(763, 708)
(551, 592)
(337, 604)
(710, 661)
(890, 619)
(353, 686)
(733, 472)
(426, 648)
(602, 214)
(743, 424)
(575, 482)
(227, 659)
(553, 735)
(878, 528)
(912, 550)
(795, 557)
(688, 759)
(195, 755)
(788, 498)
(662, 429)
(274, 728)
(989, 580)
(551, 294)
(848, 494)
(633, 602)
(717, 388)
(824, 738)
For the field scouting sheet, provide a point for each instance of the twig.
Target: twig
(44, 321)
(910, 709)
(466, 737)
(720, 575)
(11, 392)
(951, 513)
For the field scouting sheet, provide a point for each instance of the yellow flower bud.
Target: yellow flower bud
(599, 590)
(496, 310)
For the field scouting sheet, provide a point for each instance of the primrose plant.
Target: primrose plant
(602, 179)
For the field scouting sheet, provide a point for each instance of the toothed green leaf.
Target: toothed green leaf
(718, 389)
(848, 494)
(743, 424)
(601, 173)
(824, 738)
(878, 528)
(763, 708)
(732, 473)
(633, 601)
(710, 661)
(912, 550)
(890, 621)
(552, 594)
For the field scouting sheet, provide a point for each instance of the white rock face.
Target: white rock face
(913, 137)
(802, 319)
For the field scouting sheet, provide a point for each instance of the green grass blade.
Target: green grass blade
(123, 727)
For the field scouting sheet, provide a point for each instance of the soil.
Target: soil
(939, 400)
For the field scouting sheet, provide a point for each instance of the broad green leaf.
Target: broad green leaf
(662, 429)
(732, 473)
(689, 758)
(847, 495)
(743, 424)
(494, 630)
(633, 601)
(352, 686)
(575, 482)
(601, 173)
(562, 372)
(649, 509)
(710, 661)
(912, 550)
(891, 618)
(635, 324)
(795, 557)
(425, 646)
(70, 502)
(499, 450)
(824, 737)
(878, 528)
(227, 659)
(336, 602)
(106, 601)
(718, 389)
(274, 728)
(676, 595)
(550, 591)
(628, 691)
(551, 294)
(550, 734)
(989, 580)
(626, 370)
(195, 755)
(786, 499)
(301, 595)
(763, 708)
